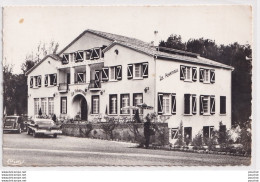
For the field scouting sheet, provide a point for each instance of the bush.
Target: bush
(245, 140)
(180, 141)
(197, 141)
(108, 128)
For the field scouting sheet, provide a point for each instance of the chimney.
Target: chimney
(156, 38)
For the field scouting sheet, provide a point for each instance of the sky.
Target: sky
(25, 27)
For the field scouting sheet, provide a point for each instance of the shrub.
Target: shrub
(245, 140)
(85, 130)
(108, 128)
(180, 141)
(197, 141)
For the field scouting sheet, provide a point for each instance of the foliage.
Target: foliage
(85, 130)
(234, 55)
(197, 141)
(245, 138)
(180, 141)
(109, 127)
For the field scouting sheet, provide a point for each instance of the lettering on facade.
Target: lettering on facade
(168, 74)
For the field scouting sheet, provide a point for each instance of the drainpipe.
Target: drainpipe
(155, 86)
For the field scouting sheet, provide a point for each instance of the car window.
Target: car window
(10, 119)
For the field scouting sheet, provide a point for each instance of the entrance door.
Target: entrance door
(84, 110)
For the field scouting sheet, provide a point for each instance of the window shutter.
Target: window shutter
(130, 71)
(96, 79)
(212, 104)
(121, 103)
(119, 72)
(182, 70)
(76, 57)
(65, 59)
(55, 79)
(88, 54)
(92, 103)
(96, 53)
(194, 104)
(46, 80)
(39, 78)
(105, 74)
(160, 104)
(222, 104)
(194, 74)
(145, 70)
(201, 105)
(212, 76)
(79, 56)
(201, 75)
(91, 54)
(31, 82)
(186, 103)
(173, 103)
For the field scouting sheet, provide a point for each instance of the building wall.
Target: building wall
(48, 66)
(173, 84)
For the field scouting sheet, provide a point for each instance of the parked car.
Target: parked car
(13, 123)
(43, 126)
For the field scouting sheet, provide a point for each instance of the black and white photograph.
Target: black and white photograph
(127, 86)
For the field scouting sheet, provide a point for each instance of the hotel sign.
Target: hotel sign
(166, 75)
(78, 91)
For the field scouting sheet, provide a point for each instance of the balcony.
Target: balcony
(63, 87)
(94, 85)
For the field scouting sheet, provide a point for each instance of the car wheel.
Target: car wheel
(20, 130)
(55, 135)
(34, 134)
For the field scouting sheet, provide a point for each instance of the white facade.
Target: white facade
(109, 72)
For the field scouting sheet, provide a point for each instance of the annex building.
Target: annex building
(98, 73)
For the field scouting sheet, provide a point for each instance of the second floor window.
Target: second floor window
(53, 79)
(207, 75)
(166, 104)
(112, 73)
(80, 78)
(138, 71)
(188, 73)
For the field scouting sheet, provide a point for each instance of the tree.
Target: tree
(174, 42)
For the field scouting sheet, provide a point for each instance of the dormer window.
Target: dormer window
(65, 59)
(79, 56)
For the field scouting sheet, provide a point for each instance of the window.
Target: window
(53, 79)
(222, 104)
(124, 101)
(166, 103)
(31, 82)
(112, 73)
(138, 99)
(51, 105)
(95, 104)
(208, 131)
(63, 108)
(80, 78)
(207, 75)
(174, 133)
(139, 70)
(207, 104)
(112, 104)
(36, 106)
(79, 56)
(187, 133)
(44, 106)
(190, 104)
(188, 73)
(105, 73)
(65, 59)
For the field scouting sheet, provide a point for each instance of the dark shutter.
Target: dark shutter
(39, 80)
(145, 70)
(160, 103)
(186, 103)
(97, 81)
(212, 104)
(182, 71)
(222, 104)
(194, 74)
(65, 59)
(105, 74)
(76, 56)
(212, 76)
(79, 56)
(201, 75)
(121, 95)
(31, 82)
(119, 72)
(130, 71)
(92, 103)
(173, 103)
(95, 53)
(194, 104)
(55, 79)
(201, 105)
(46, 80)
(91, 54)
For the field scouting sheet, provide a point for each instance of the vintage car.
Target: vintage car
(13, 123)
(43, 126)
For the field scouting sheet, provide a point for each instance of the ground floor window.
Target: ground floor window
(63, 108)
(138, 99)
(124, 102)
(113, 104)
(36, 106)
(44, 106)
(51, 106)
(95, 104)
(208, 131)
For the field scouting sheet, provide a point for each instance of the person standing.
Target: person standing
(54, 118)
(147, 129)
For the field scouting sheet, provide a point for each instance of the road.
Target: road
(24, 150)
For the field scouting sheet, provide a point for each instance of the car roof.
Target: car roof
(42, 119)
(12, 116)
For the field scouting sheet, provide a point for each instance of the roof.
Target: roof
(53, 56)
(141, 46)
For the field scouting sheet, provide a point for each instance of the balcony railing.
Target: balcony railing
(63, 87)
(94, 85)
